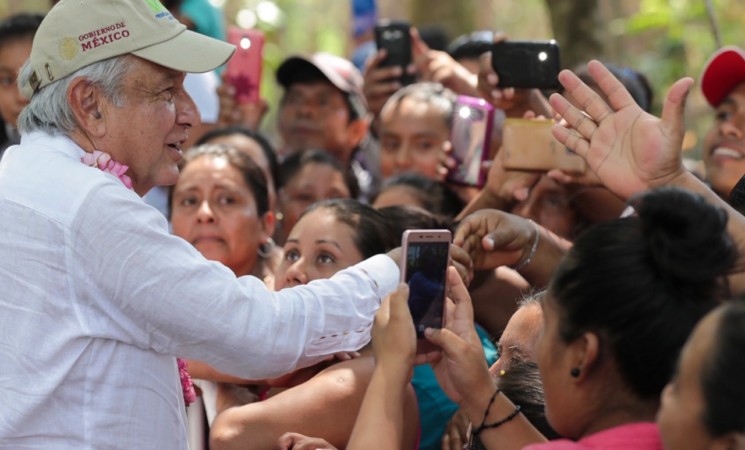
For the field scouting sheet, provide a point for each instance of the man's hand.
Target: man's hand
(381, 82)
(629, 149)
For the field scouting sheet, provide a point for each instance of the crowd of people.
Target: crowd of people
(173, 278)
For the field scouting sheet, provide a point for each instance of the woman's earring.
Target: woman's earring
(266, 249)
(574, 372)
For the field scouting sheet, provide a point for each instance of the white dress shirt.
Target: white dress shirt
(97, 299)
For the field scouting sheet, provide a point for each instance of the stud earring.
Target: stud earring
(574, 372)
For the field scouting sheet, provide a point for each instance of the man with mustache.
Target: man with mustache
(323, 108)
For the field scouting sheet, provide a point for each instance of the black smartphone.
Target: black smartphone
(470, 137)
(527, 64)
(394, 36)
(426, 255)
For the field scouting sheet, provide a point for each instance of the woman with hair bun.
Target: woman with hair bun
(618, 310)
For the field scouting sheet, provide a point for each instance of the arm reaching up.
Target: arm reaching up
(632, 151)
(629, 149)
(380, 421)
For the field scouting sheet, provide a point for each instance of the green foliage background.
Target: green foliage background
(664, 39)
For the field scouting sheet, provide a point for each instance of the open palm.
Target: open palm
(629, 149)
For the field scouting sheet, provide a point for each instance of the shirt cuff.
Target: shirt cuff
(383, 272)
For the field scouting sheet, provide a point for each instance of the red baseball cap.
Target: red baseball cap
(722, 73)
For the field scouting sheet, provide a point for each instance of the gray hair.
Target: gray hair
(432, 94)
(49, 110)
(532, 298)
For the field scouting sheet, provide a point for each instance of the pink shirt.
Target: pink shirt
(637, 436)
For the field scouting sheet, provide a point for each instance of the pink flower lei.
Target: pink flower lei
(103, 161)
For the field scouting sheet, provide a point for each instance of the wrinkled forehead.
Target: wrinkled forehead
(523, 328)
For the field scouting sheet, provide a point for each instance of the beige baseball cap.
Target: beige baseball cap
(77, 33)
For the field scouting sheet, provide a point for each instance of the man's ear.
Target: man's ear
(356, 130)
(85, 102)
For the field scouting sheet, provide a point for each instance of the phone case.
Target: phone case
(527, 64)
(425, 258)
(394, 37)
(470, 137)
(529, 145)
(244, 67)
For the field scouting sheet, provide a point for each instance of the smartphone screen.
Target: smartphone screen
(529, 145)
(470, 137)
(426, 257)
(395, 38)
(527, 64)
(244, 67)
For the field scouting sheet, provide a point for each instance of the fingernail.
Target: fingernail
(492, 78)
(489, 242)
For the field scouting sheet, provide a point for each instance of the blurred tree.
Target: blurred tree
(578, 27)
(455, 18)
(675, 39)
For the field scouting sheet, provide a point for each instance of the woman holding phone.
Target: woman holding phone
(320, 401)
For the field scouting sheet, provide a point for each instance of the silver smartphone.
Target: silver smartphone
(426, 256)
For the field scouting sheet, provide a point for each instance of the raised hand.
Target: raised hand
(381, 82)
(629, 149)
(393, 334)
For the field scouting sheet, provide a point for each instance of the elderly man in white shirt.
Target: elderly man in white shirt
(96, 298)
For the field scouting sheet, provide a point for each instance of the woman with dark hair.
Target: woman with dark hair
(704, 405)
(620, 308)
(417, 190)
(322, 400)
(617, 312)
(305, 178)
(220, 205)
(255, 145)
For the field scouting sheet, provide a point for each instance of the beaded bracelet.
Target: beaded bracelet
(476, 431)
(533, 249)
